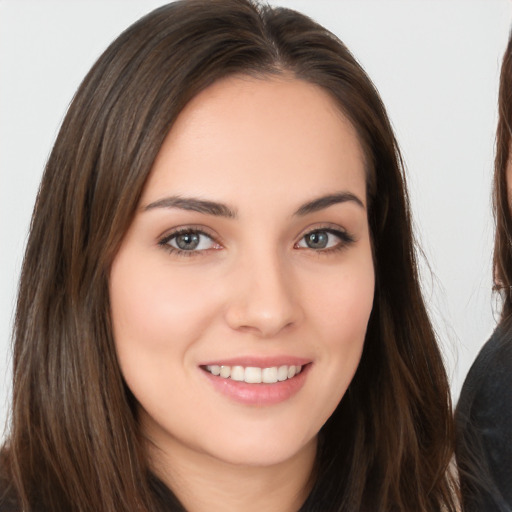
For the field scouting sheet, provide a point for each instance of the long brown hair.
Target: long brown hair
(502, 214)
(74, 441)
(477, 484)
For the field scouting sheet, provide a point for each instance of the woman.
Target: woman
(219, 301)
(484, 410)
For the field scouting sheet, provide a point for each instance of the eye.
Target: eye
(324, 239)
(189, 241)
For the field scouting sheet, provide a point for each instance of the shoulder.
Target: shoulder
(484, 425)
(488, 385)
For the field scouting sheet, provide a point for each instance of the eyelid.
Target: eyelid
(327, 226)
(183, 228)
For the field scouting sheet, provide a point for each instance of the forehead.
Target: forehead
(243, 132)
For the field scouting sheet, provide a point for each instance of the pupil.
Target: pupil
(317, 240)
(187, 241)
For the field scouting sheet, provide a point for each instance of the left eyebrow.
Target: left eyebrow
(194, 204)
(325, 201)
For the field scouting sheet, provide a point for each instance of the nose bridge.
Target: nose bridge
(264, 299)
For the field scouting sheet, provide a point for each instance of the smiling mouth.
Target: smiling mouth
(254, 375)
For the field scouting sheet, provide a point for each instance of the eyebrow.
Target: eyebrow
(222, 210)
(325, 201)
(194, 204)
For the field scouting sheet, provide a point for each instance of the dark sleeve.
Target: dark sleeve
(8, 507)
(7, 501)
(484, 428)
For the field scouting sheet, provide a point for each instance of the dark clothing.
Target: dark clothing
(165, 500)
(7, 499)
(484, 427)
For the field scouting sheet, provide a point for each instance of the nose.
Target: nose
(264, 298)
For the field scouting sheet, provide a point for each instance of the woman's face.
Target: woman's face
(242, 291)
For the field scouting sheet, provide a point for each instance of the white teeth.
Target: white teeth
(255, 375)
(282, 373)
(225, 371)
(214, 369)
(252, 375)
(269, 375)
(238, 373)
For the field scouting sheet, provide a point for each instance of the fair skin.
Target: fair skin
(249, 255)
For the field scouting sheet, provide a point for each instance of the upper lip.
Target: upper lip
(259, 361)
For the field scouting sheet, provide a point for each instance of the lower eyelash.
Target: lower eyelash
(178, 252)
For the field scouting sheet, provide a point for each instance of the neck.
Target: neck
(203, 483)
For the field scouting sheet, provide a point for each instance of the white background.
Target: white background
(436, 65)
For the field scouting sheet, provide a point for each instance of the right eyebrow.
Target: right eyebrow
(194, 204)
(325, 201)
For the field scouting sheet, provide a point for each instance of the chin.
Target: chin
(261, 452)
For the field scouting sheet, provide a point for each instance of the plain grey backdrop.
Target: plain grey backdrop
(436, 65)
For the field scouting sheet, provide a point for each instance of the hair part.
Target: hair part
(389, 443)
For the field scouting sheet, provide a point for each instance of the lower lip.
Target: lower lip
(259, 394)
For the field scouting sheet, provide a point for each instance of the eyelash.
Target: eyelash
(346, 239)
(164, 242)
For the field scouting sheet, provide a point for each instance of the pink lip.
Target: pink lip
(259, 394)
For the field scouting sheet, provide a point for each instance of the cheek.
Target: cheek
(156, 317)
(152, 305)
(342, 306)
(342, 310)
